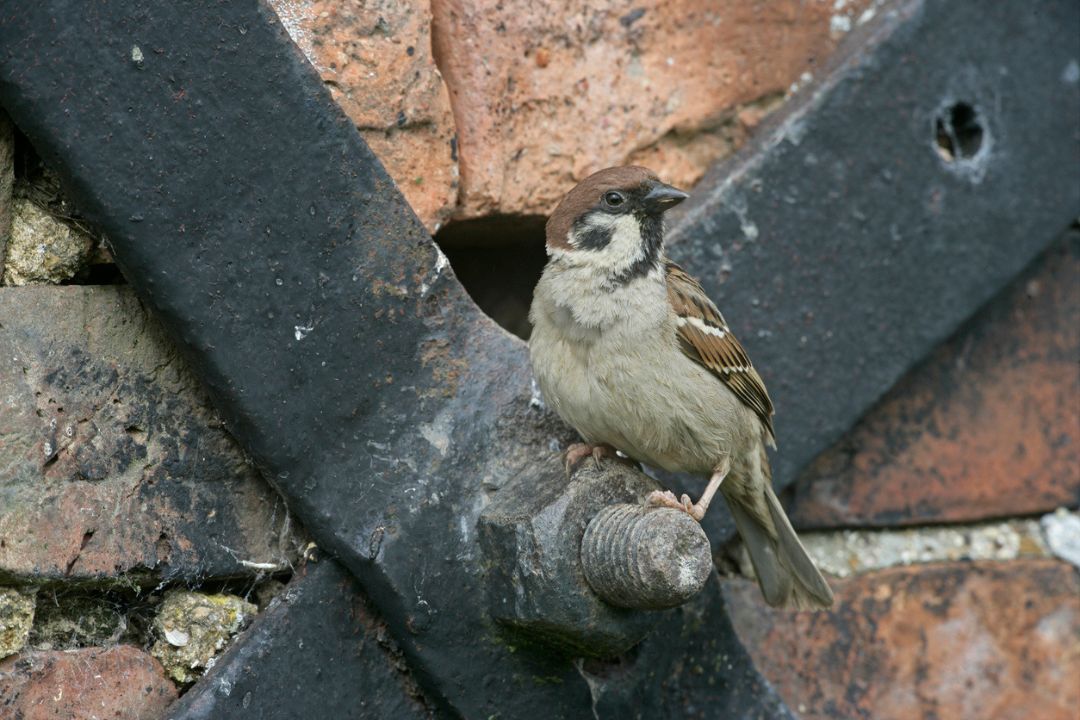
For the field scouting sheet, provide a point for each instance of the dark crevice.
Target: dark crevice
(122, 609)
(98, 274)
(611, 668)
(499, 261)
(86, 538)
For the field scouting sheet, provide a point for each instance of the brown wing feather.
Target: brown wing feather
(706, 338)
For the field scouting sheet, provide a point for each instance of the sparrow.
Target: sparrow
(629, 350)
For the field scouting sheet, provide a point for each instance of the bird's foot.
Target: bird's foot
(666, 498)
(696, 510)
(578, 451)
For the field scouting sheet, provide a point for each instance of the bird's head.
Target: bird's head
(613, 221)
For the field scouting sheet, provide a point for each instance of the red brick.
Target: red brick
(988, 427)
(951, 641)
(376, 60)
(544, 93)
(118, 683)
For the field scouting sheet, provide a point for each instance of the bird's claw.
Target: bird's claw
(578, 451)
(666, 498)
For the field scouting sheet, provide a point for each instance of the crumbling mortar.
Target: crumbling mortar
(851, 552)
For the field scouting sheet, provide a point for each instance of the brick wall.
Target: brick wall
(123, 498)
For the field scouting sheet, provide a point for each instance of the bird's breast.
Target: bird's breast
(628, 384)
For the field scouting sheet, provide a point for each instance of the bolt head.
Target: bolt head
(531, 537)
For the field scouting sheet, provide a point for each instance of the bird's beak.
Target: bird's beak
(663, 197)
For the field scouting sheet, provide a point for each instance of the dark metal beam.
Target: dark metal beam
(317, 651)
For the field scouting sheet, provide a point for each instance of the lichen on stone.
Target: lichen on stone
(193, 627)
(43, 249)
(16, 619)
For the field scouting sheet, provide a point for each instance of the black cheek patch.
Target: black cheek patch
(590, 237)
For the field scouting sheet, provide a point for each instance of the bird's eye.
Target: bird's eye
(614, 199)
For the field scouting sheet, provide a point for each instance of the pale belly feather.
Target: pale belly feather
(629, 385)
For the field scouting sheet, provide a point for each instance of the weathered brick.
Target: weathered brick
(119, 683)
(545, 93)
(111, 459)
(988, 427)
(949, 641)
(375, 58)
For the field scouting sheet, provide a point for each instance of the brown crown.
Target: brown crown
(586, 194)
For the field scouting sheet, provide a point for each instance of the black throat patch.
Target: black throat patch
(652, 244)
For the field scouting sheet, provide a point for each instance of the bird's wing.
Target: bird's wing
(706, 339)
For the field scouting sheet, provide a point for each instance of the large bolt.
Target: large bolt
(532, 535)
(645, 558)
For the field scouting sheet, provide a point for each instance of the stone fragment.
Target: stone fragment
(42, 249)
(119, 683)
(543, 94)
(113, 461)
(16, 619)
(988, 427)
(950, 641)
(375, 57)
(193, 627)
(1062, 531)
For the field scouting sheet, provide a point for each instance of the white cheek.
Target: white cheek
(626, 242)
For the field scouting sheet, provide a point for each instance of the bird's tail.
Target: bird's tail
(785, 572)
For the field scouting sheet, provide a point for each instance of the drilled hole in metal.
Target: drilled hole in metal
(958, 132)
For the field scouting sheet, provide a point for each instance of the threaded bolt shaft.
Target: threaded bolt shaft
(645, 558)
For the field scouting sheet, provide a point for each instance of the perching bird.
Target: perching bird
(628, 350)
